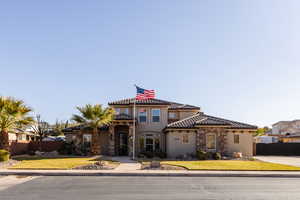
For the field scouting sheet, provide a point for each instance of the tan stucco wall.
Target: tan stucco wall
(245, 145)
(154, 128)
(185, 114)
(175, 147)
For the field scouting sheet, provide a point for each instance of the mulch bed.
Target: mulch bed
(162, 167)
(96, 166)
(6, 164)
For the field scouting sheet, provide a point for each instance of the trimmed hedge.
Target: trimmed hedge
(4, 155)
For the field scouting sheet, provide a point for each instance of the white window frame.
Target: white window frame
(139, 115)
(155, 109)
(215, 142)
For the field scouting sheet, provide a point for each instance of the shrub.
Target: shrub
(201, 155)
(4, 155)
(217, 156)
(160, 154)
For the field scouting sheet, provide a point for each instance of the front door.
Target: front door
(123, 148)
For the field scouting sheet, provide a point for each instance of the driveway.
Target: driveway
(286, 160)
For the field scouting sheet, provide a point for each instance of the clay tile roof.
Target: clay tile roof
(173, 105)
(176, 106)
(140, 102)
(203, 119)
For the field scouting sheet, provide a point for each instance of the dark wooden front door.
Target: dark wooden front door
(123, 147)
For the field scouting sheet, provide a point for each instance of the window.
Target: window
(236, 139)
(149, 144)
(155, 115)
(126, 111)
(87, 138)
(211, 141)
(172, 115)
(20, 137)
(118, 111)
(185, 139)
(142, 115)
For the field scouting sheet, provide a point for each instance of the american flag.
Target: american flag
(144, 94)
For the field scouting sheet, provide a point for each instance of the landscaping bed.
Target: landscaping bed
(231, 165)
(44, 163)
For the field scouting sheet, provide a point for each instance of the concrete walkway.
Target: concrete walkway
(126, 164)
(286, 160)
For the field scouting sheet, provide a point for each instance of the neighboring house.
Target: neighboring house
(21, 136)
(284, 127)
(294, 138)
(174, 128)
(266, 139)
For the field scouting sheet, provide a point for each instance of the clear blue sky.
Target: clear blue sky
(236, 59)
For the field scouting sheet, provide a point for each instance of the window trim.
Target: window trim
(215, 141)
(139, 114)
(153, 109)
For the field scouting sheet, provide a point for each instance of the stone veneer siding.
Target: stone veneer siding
(220, 138)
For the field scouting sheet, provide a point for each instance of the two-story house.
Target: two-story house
(174, 128)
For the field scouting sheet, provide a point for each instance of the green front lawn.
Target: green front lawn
(232, 165)
(52, 163)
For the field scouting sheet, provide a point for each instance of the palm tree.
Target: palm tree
(94, 116)
(14, 115)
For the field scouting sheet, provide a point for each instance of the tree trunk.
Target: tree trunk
(95, 147)
(4, 140)
(40, 143)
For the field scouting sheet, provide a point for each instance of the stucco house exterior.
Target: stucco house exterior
(285, 127)
(174, 128)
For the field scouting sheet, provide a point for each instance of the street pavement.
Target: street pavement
(162, 188)
(286, 160)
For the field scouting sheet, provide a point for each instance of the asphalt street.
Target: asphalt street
(173, 188)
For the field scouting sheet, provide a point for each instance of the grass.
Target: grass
(232, 165)
(53, 163)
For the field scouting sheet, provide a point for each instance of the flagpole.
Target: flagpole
(133, 139)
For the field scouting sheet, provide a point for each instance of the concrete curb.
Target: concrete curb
(153, 174)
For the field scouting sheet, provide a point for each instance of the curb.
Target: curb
(150, 174)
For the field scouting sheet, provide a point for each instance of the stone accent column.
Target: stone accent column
(200, 139)
(111, 147)
(221, 140)
(130, 141)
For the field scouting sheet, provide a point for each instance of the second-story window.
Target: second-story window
(172, 115)
(155, 115)
(118, 111)
(126, 111)
(142, 115)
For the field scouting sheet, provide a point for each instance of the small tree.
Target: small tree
(94, 116)
(58, 127)
(40, 129)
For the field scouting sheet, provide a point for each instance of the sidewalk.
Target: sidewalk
(126, 164)
(150, 173)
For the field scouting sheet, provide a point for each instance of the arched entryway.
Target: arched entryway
(122, 140)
